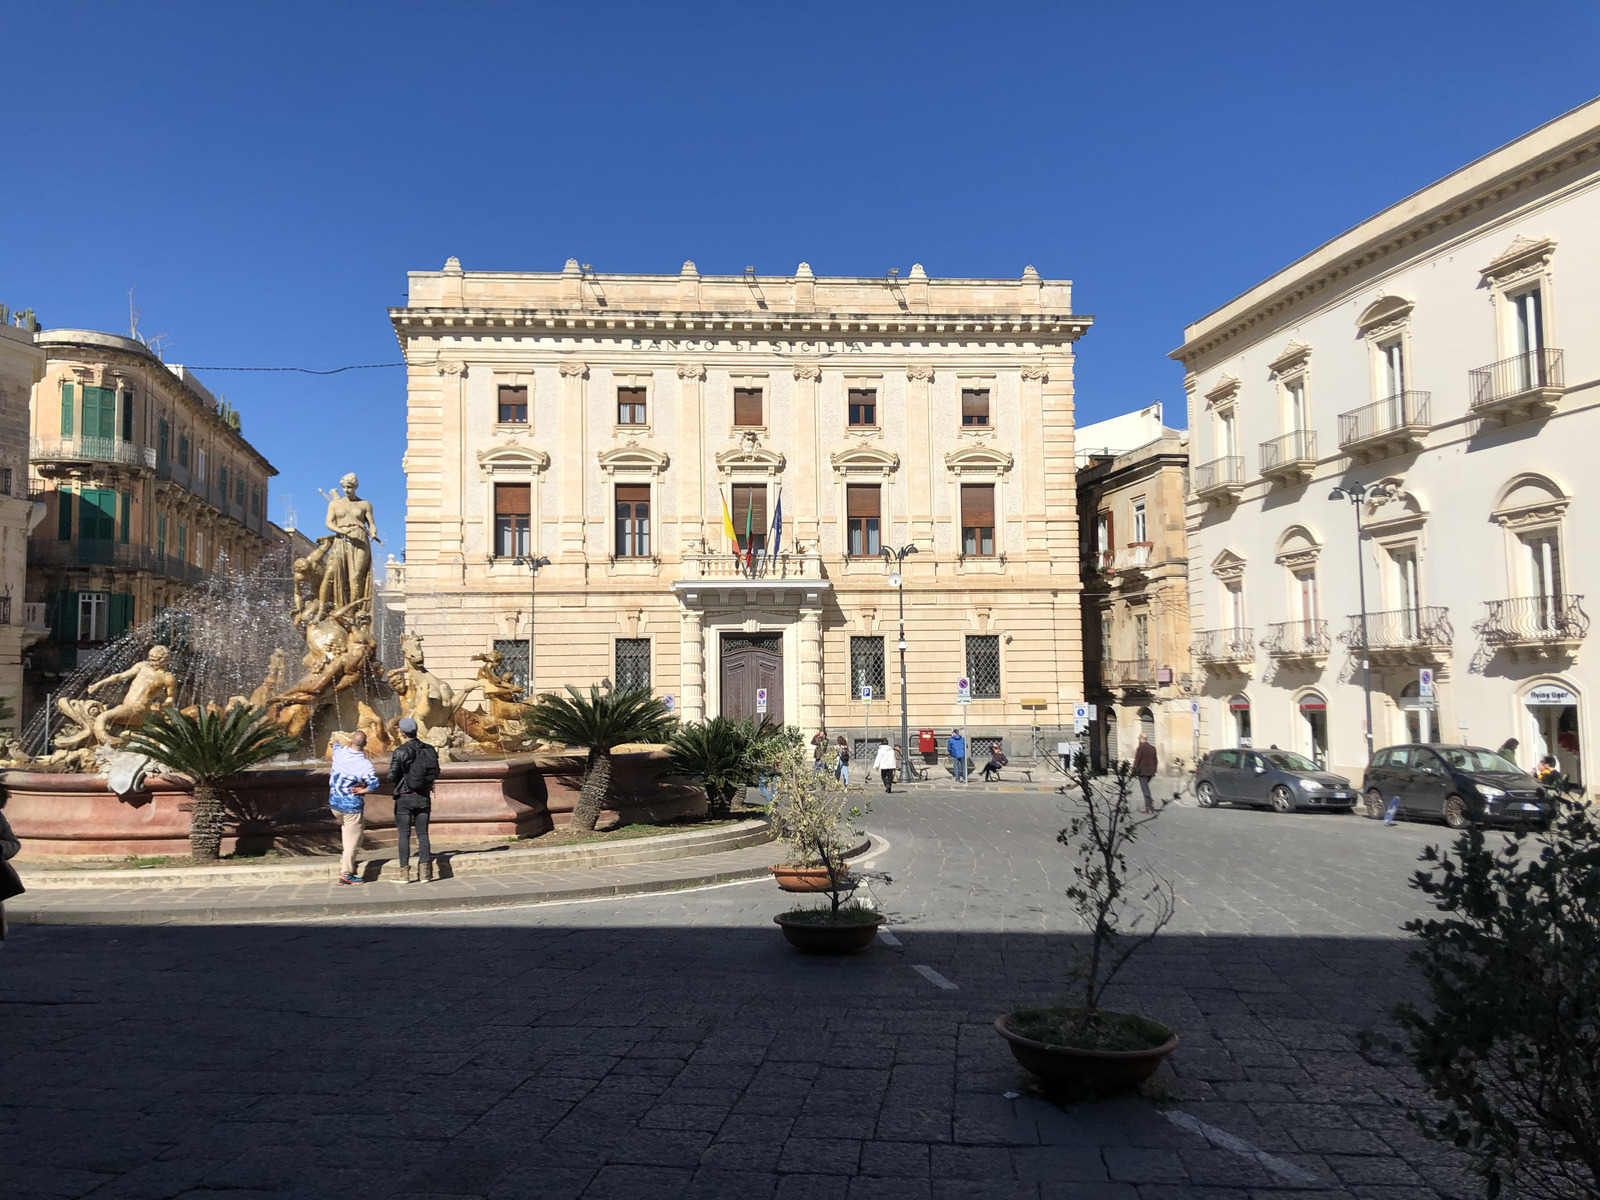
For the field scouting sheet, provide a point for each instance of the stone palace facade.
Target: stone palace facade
(616, 424)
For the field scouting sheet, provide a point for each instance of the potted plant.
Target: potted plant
(811, 811)
(1089, 1048)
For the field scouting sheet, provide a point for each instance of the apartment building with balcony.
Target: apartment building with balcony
(1440, 357)
(147, 484)
(1136, 671)
(21, 366)
(617, 425)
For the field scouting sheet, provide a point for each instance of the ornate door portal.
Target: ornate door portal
(751, 661)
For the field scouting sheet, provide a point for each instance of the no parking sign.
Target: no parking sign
(761, 700)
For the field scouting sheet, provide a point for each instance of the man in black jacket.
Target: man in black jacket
(412, 770)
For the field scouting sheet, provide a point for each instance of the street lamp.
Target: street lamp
(1356, 493)
(533, 563)
(897, 558)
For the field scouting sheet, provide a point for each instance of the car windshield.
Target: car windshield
(1472, 758)
(1284, 760)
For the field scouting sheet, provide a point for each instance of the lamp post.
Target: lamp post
(533, 563)
(1356, 493)
(897, 559)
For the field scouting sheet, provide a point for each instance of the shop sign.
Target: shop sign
(1550, 694)
(1313, 704)
(1239, 704)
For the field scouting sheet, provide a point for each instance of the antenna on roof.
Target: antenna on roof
(290, 517)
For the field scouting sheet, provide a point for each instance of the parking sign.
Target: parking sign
(866, 693)
(761, 700)
(963, 690)
(1425, 683)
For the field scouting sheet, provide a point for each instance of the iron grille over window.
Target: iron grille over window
(633, 664)
(983, 665)
(866, 666)
(515, 653)
(5, 610)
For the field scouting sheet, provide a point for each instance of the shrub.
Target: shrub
(811, 811)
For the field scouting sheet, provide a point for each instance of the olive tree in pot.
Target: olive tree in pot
(1083, 1045)
(812, 812)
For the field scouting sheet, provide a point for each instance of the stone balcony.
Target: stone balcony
(1403, 636)
(55, 456)
(1220, 481)
(1394, 425)
(1290, 458)
(1523, 385)
(1224, 651)
(1302, 644)
(1535, 626)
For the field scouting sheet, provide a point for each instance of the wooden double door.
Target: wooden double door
(751, 661)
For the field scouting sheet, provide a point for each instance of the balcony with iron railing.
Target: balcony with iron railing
(1223, 649)
(1403, 635)
(1135, 673)
(103, 552)
(1298, 642)
(1391, 426)
(1523, 385)
(1535, 626)
(1290, 457)
(1132, 559)
(45, 453)
(1220, 480)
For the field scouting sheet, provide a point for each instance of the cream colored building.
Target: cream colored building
(1136, 591)
(21, 366)
(1442, 352)
(603, 422)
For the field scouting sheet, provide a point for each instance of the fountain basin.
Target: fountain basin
(286, 808)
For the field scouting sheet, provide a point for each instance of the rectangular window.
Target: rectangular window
(1394, 368)
(99, 412)
(977, 520)
(863, 408)
(68, 402)
(633, 520)
(513, 402)
(127, 416)
(630, 406)
(863, 508)
(238, 491)
(750, 513)
(974, 408)
(1141, 530)
(199, 549)
(183, 542)
(64, 515)
(633, 664)
(200, 466)
(983, 665)
(515, 653)
(1102, 533)
(97, 519)
(161, 535)
(1227, 436)
(183, 451)
(94, 616)
(1528, 311)
(255, 503)
(163, 442)
(513, 509)
(1105, 635)
(127, 516)
(866, 667)
(1297, 407)
(1233, 607)
(1141, 637)
(222, 482)
(5, 481)
(747, 408)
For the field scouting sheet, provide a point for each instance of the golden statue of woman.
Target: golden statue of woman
(347, 570)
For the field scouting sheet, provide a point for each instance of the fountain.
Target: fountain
(229, 646)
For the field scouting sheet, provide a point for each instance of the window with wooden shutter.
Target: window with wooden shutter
(163, 443)
(977, 519)
(183, 451)
(68, 402)
(863, 405)
(64, 515)
(99, 413)
(747, 408)
(127, 416)
(630, 406)
(127, 516)
(863, 508)
(513, 405)
(633, 520)
(513, 510)
(750, 512)
(974, 407)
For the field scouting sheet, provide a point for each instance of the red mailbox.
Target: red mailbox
(925, 742)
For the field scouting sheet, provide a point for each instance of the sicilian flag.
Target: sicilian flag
(777, 528)
(727, 523)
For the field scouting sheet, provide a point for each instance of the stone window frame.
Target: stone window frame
(634, 379)
(1229, 566)
(1383, 322)
(632, 464)
(1222, 400)
(1546, 517)
(979, 464)
(514, 378)
(856, 380)
(988, 381)
(1298, 560)
(863, 462)
(1292, 366)
(1524, 265)
(510, 464)
(745, 379)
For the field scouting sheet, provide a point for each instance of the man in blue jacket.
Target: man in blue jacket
(350, 778)
(956, 747)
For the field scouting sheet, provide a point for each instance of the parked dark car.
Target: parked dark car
(1281, 779)
(1459, 784)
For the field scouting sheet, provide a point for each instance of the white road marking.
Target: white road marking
(887, 938)
(933, 977)
(1271, 1163)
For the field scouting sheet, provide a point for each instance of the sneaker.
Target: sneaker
(348, 879)
(408, 873)
(425, 872)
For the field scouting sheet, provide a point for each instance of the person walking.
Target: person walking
(956, 748)
(1508, 750)
(350, 778)
(819, 751)
(843, 769)
(10, 881)
(886, 763)
(1144, 766)
(991, 769)
(412, 771)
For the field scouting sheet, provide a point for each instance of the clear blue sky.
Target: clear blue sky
(267, 173)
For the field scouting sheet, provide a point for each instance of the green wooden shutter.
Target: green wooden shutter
(67, 404)
(64, 621)
(121, 615)
(64, 515)
(164, 444)
(99, 412)
(127, 515)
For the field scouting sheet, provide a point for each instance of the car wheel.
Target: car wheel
(1206, 795)
(1374, 808)
(1282, 799)
(1455, 813)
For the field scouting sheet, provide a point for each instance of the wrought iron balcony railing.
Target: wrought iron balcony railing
(1292, 454)
(1136, 672)
(93, 449)
(734, 566)
(1298, 639)
(1218, 475)
(1535, 375)
(1402, 629)
(1398, 417)
(1532, 620)
(1223, 646)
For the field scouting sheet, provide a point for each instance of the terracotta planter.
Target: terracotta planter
(811, 938)
(801, 879)
(1101, 1071)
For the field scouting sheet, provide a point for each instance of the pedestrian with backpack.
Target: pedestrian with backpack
(412, 771)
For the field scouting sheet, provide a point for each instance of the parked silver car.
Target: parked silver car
(1279, 779)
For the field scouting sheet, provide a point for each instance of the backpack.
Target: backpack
(844, 754)
(421, 770)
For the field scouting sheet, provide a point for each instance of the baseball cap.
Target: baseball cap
(408, 725)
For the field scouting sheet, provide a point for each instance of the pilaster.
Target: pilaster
(810, 665)
(807, 497)
(692, 657)
(919, 459)
(690, 467)
(1035, 535)
(453, 445)
(572, 437)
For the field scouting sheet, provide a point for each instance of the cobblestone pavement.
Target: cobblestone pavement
(673, 1046)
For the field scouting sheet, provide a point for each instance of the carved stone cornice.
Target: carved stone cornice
(750, 457)
(864, 458)
(574, 369)
(1228, 567)
(808, 372)
(632, 457)
(507, 456)
(1531, 515)
(1525, 256)
(691, 371)
(1224, 391)
(978, 459)
(1384, 316)
(920, 374)
(451, 367)
(1296, 560)
(1291, 358)
(1036, 371)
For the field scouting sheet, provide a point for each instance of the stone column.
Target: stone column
(691, 456)
(808, 499)
(811, 664)
(453, 444)
(1035, 539)
(572, 437)
(692, 655)
(919, 460)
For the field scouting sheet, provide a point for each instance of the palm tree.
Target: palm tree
(209, 747)
(723, 754)
(600, 723)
